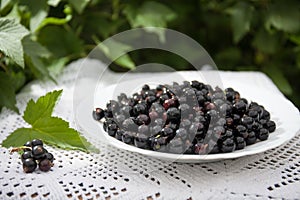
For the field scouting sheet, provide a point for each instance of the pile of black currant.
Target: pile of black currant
(36, 155)
(190, 118)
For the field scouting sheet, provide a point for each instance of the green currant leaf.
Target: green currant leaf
(241, 16)
(114, 49)
(61, 42)
(284, 15)
(150, 14)
(7, 91)
(79, 5)
(52, 130)
(43, 107)
(11, 33)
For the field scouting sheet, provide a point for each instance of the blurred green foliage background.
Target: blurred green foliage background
(39, 37)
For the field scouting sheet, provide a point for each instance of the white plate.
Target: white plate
(283, 112)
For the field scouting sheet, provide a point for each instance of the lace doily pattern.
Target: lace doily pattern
(118, 174)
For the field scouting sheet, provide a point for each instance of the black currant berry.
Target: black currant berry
(29, 165)
(45, 165)
(36, 142)
(38, 152)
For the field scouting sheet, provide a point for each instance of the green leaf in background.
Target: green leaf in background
(284, 15)
(33, 48)
(150, 14)
(241, 16)
(7, 91)
(18, 79)
(52, 130)
(113, 49)
(4, 3)
(266, 42)
(38, 10)
(11, 34)
(14, 13)
(60, 42)
(34, 54)
(56, 66)
(79, 5)
(279, 79)
(53, 3)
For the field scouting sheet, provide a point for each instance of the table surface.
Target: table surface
(117, 174)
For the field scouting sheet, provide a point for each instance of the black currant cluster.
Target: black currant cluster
(36, 155)
(190, 118)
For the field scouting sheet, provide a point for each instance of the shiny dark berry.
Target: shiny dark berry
(119, 134)
(45, 165)
(265, 115)
(263, 134)
(240, 143)
(176, 146)
(170, 103)
(141, 141)
(167, 131)
(128, 137)
(98, 114)
(228, 145)
(112, 129)
(246, 120)
(129, 125)
(38, 152)
(26, 155)
(140, 108)
(142, 119)
(241, 131)
(200, 148)
(36, 142)
(251, 139)
(181, 133)
(29, 165)
(145, 87)
(49, 156)
(28, 144)
(271, 126)
(239, 107)
(173, 114)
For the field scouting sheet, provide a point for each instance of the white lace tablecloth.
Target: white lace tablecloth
(117, 174)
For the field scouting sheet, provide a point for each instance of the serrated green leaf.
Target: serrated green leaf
(114, 49)
(60, 42)
(33, 48)
(7, 91)
(241, 17)
(42, 108)
(38, 10)
(150, 14)
(52, 130)
(79, 5)
(284, 15)
(11, 34)
(266, 42)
